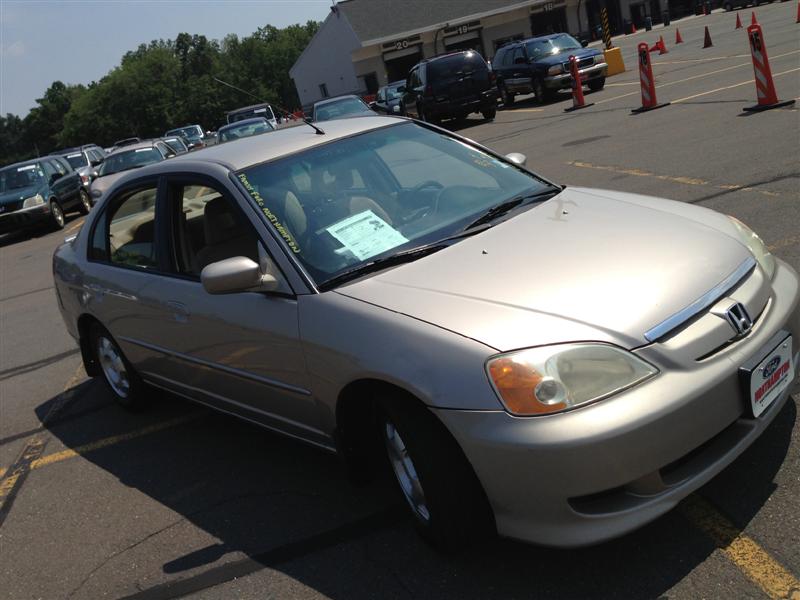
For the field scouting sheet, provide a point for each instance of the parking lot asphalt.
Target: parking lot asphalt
(179, 501)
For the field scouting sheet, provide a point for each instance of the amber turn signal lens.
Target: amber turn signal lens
(516, 382)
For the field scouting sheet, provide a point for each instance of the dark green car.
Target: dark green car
(39, 191)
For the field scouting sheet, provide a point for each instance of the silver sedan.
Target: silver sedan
(559, 365)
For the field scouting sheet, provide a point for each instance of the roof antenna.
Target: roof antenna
(314, 127)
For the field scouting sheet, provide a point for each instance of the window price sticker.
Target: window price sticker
(366, 235)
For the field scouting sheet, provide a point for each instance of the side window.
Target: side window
(207, 228)
(519, 55)
(50, 172)
(59, 167)
(132, 231)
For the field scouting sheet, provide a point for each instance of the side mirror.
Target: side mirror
(584, 43)
(372, 104)
(236, 274)
(94, 174)
(517, 158)
(396, 109)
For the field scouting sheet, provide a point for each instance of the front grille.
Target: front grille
(583, 63)
(10, 207)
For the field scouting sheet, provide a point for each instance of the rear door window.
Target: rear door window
(131, 237)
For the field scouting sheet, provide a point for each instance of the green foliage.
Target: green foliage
(159, 86)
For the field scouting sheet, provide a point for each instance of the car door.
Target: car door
(412, 93)
(237, 352)
(520, 71)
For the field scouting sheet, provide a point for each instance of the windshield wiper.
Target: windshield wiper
(504, 207)
(382, 263)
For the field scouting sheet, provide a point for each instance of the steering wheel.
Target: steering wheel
(425, 210)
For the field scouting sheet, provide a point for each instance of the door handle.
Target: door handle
(179, 311)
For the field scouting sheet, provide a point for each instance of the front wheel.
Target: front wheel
(489, 113)
(125, 385)
(447, 501)
(56, 215)
(506, 96)
(597, 84)
(86, 202)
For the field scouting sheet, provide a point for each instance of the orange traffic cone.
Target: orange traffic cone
(753, 18)
(738, 22)
(654, 47)
(678, 38)
(707, 40)
(662, 47)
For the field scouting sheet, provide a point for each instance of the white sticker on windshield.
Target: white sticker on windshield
(144, 150)
(78, 155)
(366, 234)
(26, 168)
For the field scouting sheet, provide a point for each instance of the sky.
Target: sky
(79, 41)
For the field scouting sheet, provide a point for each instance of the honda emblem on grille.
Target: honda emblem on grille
(738, 318)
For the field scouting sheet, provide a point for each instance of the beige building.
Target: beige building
(364, 44)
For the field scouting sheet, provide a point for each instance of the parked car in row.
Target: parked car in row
(389, 98)
(533, 359)
(254, 110)
(243, 128)
(192, 135)
(124, 159)
(176, 144)
(541, 66)
(39, 191)
(84, 159)
(125, 142)
(339, 108)
(450, 86)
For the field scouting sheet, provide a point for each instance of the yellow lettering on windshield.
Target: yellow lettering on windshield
(284, 233)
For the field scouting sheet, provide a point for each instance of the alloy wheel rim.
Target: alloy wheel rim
(85, 200)
(113, 367)
(57, 214)
(406, 472)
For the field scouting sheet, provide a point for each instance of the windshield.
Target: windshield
(352, 201)
(340, 108)
(244, 130)
(176, 144)
(556, 45)
(77, 160)
(16, 178)
(188, 132)
(129, 159)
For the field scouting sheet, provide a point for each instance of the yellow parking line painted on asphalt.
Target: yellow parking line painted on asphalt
(755, 562)
(620, 84)
(516, 110)
(675, 178)
(669, 83)
(790, 241)
(75, 226)
(49, 459)
(696, 60)
(728, 87)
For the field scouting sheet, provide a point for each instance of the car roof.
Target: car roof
(236, 124)
(336, 99)
(22, 163)
(250, 107)
(449, 55)
(262, 148)
(136, 146)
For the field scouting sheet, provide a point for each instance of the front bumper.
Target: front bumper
(24, 218)
(558, 82)
(598, 472)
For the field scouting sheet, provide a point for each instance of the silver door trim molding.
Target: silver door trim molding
(702, 303)
(219, 367)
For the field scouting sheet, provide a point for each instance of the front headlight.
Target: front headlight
(33, 201)
(756, 246)
(554, 70)
(551, 379)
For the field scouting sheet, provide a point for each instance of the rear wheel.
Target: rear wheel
(489, 113)
(126, 386)
(56, 215)
(86, 202)
(506, 96)
(597, 84)
(435, 479)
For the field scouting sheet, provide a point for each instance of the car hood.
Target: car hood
(585, 265)
(557, 59)
(19, 194)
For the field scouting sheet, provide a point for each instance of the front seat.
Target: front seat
(225, 235)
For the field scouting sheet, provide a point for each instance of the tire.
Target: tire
(121, 379)
(56, 215)
(85, 202)
(506, 97)
(539, 92)
(489, 113)
(435, 479)
(597, 84)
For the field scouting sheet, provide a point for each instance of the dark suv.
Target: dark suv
(450, 86)
(39, 191)
(540, 65)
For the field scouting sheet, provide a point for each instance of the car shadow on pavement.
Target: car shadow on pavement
(16, 237)
(224, 499)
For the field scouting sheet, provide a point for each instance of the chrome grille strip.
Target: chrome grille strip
(702, 303)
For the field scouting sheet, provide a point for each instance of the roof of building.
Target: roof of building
(369, 21)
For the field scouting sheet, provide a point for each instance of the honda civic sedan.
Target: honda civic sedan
(554, 364)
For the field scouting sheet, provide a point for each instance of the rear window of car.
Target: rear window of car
(457, 64)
